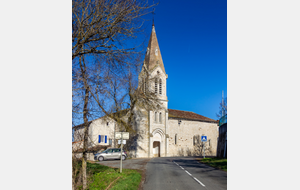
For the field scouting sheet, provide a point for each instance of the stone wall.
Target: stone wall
(188, 135)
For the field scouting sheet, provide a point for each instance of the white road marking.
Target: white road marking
(199, 182)
(190, 174)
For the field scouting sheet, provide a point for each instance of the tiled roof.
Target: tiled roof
(121, 114)
(77, 142)
(188, 115)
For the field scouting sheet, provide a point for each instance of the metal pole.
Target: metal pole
(115, 135)
(121, 151)
(204, 150)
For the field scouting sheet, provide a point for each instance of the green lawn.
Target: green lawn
(220, 163)
(103, 176)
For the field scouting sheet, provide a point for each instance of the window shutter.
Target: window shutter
(105, 139)
(99, 139)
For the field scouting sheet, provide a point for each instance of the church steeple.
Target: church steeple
(153, 56)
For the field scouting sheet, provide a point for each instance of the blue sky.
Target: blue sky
(192, 36)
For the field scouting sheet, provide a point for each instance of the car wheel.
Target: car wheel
(123, 157)
(100, 158)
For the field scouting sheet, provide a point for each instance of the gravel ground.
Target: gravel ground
(137, 163)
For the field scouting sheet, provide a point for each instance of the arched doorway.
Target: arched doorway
(156, 149)
(157, 139)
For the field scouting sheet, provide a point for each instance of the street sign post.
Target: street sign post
(119, 141)
(119, 134)
(204, 139)
(122, 136)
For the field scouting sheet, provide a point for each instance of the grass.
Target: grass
(104, 176)
(220, 163)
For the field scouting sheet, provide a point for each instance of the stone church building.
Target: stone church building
(164, 132)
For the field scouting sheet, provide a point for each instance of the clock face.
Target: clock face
(156, 51)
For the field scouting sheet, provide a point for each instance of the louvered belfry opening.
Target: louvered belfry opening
(155, 86)
(160, 86)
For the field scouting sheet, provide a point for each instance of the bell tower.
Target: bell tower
(154, 78)
(154, 68)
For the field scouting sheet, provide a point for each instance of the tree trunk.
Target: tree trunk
(85, 119)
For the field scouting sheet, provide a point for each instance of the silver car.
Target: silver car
(111, 153)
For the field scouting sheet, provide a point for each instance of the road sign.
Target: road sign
(122, 136)
(203, 138)
(119, 135)
(119, 141)
(125, 135)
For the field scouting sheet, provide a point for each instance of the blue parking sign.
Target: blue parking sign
(203, 138)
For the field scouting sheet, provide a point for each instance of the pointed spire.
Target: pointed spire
(153, 56)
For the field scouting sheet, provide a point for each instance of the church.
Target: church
(164, 132)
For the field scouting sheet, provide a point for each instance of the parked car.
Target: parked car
(111, 153)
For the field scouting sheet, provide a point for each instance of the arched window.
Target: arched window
(160, 117)
(160, 87)
(176, 139)
(194, 139)
(155, 116)
(155, 86)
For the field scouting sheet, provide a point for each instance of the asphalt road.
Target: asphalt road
(182, 173)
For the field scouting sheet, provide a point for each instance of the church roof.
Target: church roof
(153, 56)
(188, 115)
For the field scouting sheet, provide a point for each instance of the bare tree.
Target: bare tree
(117, 96)
(102, 28)
(222, 108)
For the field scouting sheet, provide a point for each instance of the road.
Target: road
(182, 173)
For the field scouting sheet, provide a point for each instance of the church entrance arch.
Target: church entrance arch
(158, 134)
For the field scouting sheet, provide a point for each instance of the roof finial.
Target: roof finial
(153, 15)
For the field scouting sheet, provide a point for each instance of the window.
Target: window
(107, 123)
(155, 117)
(197, 139)
(176, 139)
(160, 117)
(117, 150)
(155, 86)
(194, 139)
(209, 142)
(160, 88)
(109, 150)
(102, 139)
